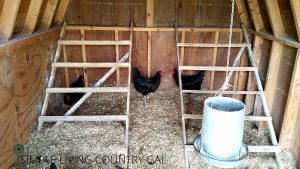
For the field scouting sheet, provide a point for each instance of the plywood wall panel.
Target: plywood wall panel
(24, 69)
(222, 58)
(122, 51)
(199, 56)
(100, 54)
(164, 55)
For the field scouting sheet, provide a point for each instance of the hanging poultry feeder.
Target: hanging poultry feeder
(221, 142)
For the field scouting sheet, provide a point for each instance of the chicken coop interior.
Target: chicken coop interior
(99, 79)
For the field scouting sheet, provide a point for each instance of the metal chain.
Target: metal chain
(226, 84)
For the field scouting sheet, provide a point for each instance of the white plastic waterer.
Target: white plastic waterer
(221, 141)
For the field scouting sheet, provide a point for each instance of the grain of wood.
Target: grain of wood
(8, 18)
(61, 11)
(32, 15)
(49, 13)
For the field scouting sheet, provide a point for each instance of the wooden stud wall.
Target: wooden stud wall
(154, 49)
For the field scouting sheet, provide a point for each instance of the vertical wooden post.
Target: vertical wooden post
(214, 60)
(276, 51)
(237, 80)
(117, 58)
(150, 13)
(32, 16)
(182, 48)
(259, 26)
(66, 69)
(242, 76)
(149, 54)
(83, 50)
(49, 13)
(291, 111)
(61, 11)
(8, 18)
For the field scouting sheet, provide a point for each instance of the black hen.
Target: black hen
(189, 82)
(71, 98)
(53, 166)
(146, 85)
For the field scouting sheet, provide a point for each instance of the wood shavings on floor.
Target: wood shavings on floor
(155, 133)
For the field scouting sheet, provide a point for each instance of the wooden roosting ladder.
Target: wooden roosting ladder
(274, 148)
(88, 90)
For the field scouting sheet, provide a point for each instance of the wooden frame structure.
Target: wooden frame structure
(88, 90)
(274, 148)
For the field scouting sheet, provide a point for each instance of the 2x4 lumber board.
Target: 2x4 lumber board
(149, 53)
(83, 51)
(243, 12)
(66, 69)
(88, 89)
(83, 118)
(145, 29)
(264, 149)
(117, 50)
(292, 107)
(150, 13)
(61, 11)
(240, 77)
(217, 68)
(89, 65)
(224, 92)
(283, 40)
(275, 17)
(49, 13)
(51, 77)
(212, 45)
(32, 16)
(214, 61)
(88, 94)
(256, 15)
(182, 48)
(287, 134)
(8, 18)
(273, 72)
(247, 118)
(93, 42)
(276, 51)
(252, 149)
(260, 88)
(251, 83)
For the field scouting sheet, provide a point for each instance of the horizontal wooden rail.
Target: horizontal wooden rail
(84, 118)
(88, 89)
(151, 29)
(93, 42)
(217, 68)
(90, 65)
(252, 149)
(247, 118)
(283, 40)
(213, 45)
(224, 92)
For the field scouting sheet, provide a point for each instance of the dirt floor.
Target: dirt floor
(155, 136)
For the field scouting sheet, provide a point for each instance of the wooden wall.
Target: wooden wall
(187, 13)
(24, 68)
(163, 54)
